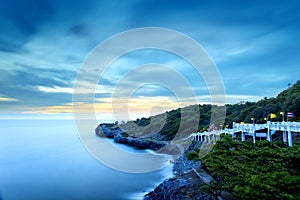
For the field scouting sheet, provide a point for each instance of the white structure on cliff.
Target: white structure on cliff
(253, 130)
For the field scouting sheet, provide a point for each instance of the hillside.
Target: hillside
(254, 171)
(187, 118)
(286, 101)
(237, 167)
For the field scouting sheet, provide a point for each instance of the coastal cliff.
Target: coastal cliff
(232, 167)
(186, 183)
(115, 133)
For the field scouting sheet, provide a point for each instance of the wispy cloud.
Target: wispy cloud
(5, 99)
(115, 108)
(55, 89)
(43, 44)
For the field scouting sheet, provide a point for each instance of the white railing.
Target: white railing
(208, 136)
(250, 129)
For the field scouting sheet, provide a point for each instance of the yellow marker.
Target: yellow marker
(273, 116)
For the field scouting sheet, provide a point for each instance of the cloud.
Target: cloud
(135, 107)
(87, 90)
(79, 30)
(20, 22)
(43, 44)
(22, 85)
(55, 89)
(5, 99)
(131, 107)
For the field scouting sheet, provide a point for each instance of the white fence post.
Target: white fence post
(269, 137)
(290, 137)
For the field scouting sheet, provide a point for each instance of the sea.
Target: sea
(45, 159)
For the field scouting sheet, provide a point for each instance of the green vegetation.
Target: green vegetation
(165, 126)
(125, 134)
(245, 170)
(193, 155)
(260, 171)
(286, 101)
(184, 121)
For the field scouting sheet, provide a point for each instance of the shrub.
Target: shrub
(192, 155)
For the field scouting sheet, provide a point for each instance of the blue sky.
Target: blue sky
(254, 44)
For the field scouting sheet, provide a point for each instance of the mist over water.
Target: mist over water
(44, 159)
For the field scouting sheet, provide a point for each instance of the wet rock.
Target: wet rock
(112, 131)
(183, 165)
(187, 186)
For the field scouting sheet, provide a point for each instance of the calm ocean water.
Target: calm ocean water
(44, 159)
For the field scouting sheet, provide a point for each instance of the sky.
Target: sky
(44, 43)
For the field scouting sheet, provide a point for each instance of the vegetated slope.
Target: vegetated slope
(198, 117)
(254, 171)
(286, 101)
(165, 126)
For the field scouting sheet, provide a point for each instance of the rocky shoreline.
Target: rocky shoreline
(186, 184)
(115, 133)
(189, 176)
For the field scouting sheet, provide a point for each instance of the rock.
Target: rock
(183, 165)
(187, 186)
(114, 132)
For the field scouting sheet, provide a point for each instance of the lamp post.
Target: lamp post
(253, 120)
(254, 135)
(282, 113)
